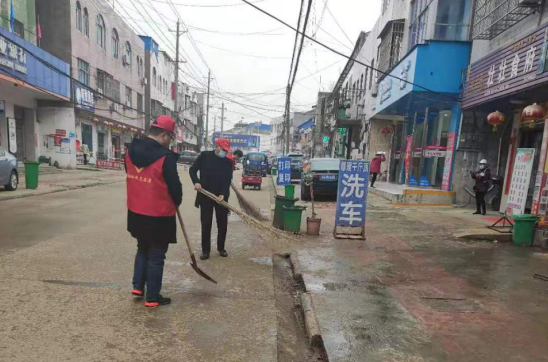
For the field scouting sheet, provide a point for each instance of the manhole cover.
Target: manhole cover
(453, 305)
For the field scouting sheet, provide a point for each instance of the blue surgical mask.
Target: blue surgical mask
(222, 154)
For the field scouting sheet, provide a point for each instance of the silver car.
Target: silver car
(8, 170)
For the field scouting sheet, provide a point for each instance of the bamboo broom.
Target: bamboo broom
(255, 224)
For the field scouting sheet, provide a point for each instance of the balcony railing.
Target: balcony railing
(495, 16)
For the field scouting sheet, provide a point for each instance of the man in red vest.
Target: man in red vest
(154, 192)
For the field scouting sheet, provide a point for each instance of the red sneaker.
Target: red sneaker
(158, 302)
(138, 293)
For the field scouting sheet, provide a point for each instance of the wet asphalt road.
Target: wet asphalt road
(66, 264)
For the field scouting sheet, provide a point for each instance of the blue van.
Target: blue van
(256, 162)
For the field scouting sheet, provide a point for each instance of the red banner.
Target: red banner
(408, 152)
(117, 165)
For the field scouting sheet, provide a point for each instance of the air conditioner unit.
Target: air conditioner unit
(375, 90)
(144, 81)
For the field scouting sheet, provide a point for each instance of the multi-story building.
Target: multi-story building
(107, 65)
(31, 80)
(507, 76)
(190, 112)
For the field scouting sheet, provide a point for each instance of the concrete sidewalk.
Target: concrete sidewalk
(414, 292)
(64, 180)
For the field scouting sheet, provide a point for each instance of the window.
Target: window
(419, 22)
(453, 20)
(154, 77)
(18, 28)
(365, 81)
(100, 32)
(138, 66)
(139, 102)
(78, 16)
(83, 72)
(371, 73)
(390, 47)
(160, 83)
(86, 22)
(361, 85)
(142, 68)
(100, 81)
(128, 55)
(115, 43)
(128, 97)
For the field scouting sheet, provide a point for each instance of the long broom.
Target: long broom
(247, 206)
(252, 222)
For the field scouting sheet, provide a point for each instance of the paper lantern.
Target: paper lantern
(533, 112)
(495, 119)
(96, 120)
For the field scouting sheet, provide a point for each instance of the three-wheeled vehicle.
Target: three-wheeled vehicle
(251, 176)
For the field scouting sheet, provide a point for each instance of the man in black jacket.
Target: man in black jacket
(215, 176)
(482, 177)
(154, 192)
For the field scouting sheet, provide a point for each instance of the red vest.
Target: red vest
(147, 192)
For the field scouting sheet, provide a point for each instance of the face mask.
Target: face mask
(482, 167)
(222, 154)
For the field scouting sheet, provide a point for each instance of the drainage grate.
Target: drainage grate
(453, 305)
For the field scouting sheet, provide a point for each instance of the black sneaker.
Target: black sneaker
(204, 256)
(158, 302)
(223, 253)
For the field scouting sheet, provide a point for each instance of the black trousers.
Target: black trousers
(221, 213)
(480, 202)
(374, 178)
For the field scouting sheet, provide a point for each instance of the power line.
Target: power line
(346, 56)
(241, 54)
(296, 42)
(336, 22)
(204, 6)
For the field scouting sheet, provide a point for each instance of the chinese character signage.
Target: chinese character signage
(12, 56)
(83, 98)
(519, 66)
(521, 177)
(352, 193)
(239, 140)
(284, 171)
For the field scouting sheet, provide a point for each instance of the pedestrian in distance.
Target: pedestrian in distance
(235, 157)
(154, 192)
(482, 177)
(215, 176)
(375, 167)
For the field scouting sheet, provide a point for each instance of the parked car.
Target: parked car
(296, 165)
(188, 157)
(325, 178)
(8, 170)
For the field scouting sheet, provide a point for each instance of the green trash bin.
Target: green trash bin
(31, 174)
(292, 218)
(290, 191)
(281, 201)
(274, 171)
(524, 229)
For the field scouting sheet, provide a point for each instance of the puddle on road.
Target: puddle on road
(265, 260)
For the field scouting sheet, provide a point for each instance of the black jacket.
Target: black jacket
(482, 177)
(150, 229)
(215, 175)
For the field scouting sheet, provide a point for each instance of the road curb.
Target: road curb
(58, 190)
(310, 322)
(297, 273)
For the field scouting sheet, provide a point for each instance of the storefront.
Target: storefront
(423, 104)
(510, 87)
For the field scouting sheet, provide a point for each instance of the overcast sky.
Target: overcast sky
(250, 53)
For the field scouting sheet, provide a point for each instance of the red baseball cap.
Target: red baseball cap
(164, 122)
(223, 143)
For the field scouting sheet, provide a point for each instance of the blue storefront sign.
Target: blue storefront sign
(239, 140)
(352, 193)
(284, 171)
(83, 98)
(24, 61)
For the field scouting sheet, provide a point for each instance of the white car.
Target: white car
(8, 170)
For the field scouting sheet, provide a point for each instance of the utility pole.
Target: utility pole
(207, 109)
(287, 119)
(177, 73)
(223, 120)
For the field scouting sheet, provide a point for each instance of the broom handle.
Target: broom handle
(184, 232)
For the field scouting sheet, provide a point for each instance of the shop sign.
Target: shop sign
(12, 135)
(417, 154)
(517, 67)
(397, 156)
(352, 194)
(84, 98)
(447, 168)
(521, 177)
(117, 165)
(12, 56)
(61, 132)
(284, 171)
(434, 153)
(325, 139)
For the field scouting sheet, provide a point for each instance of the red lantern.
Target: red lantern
(495, 119)
(533, 112)
(95, 120)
